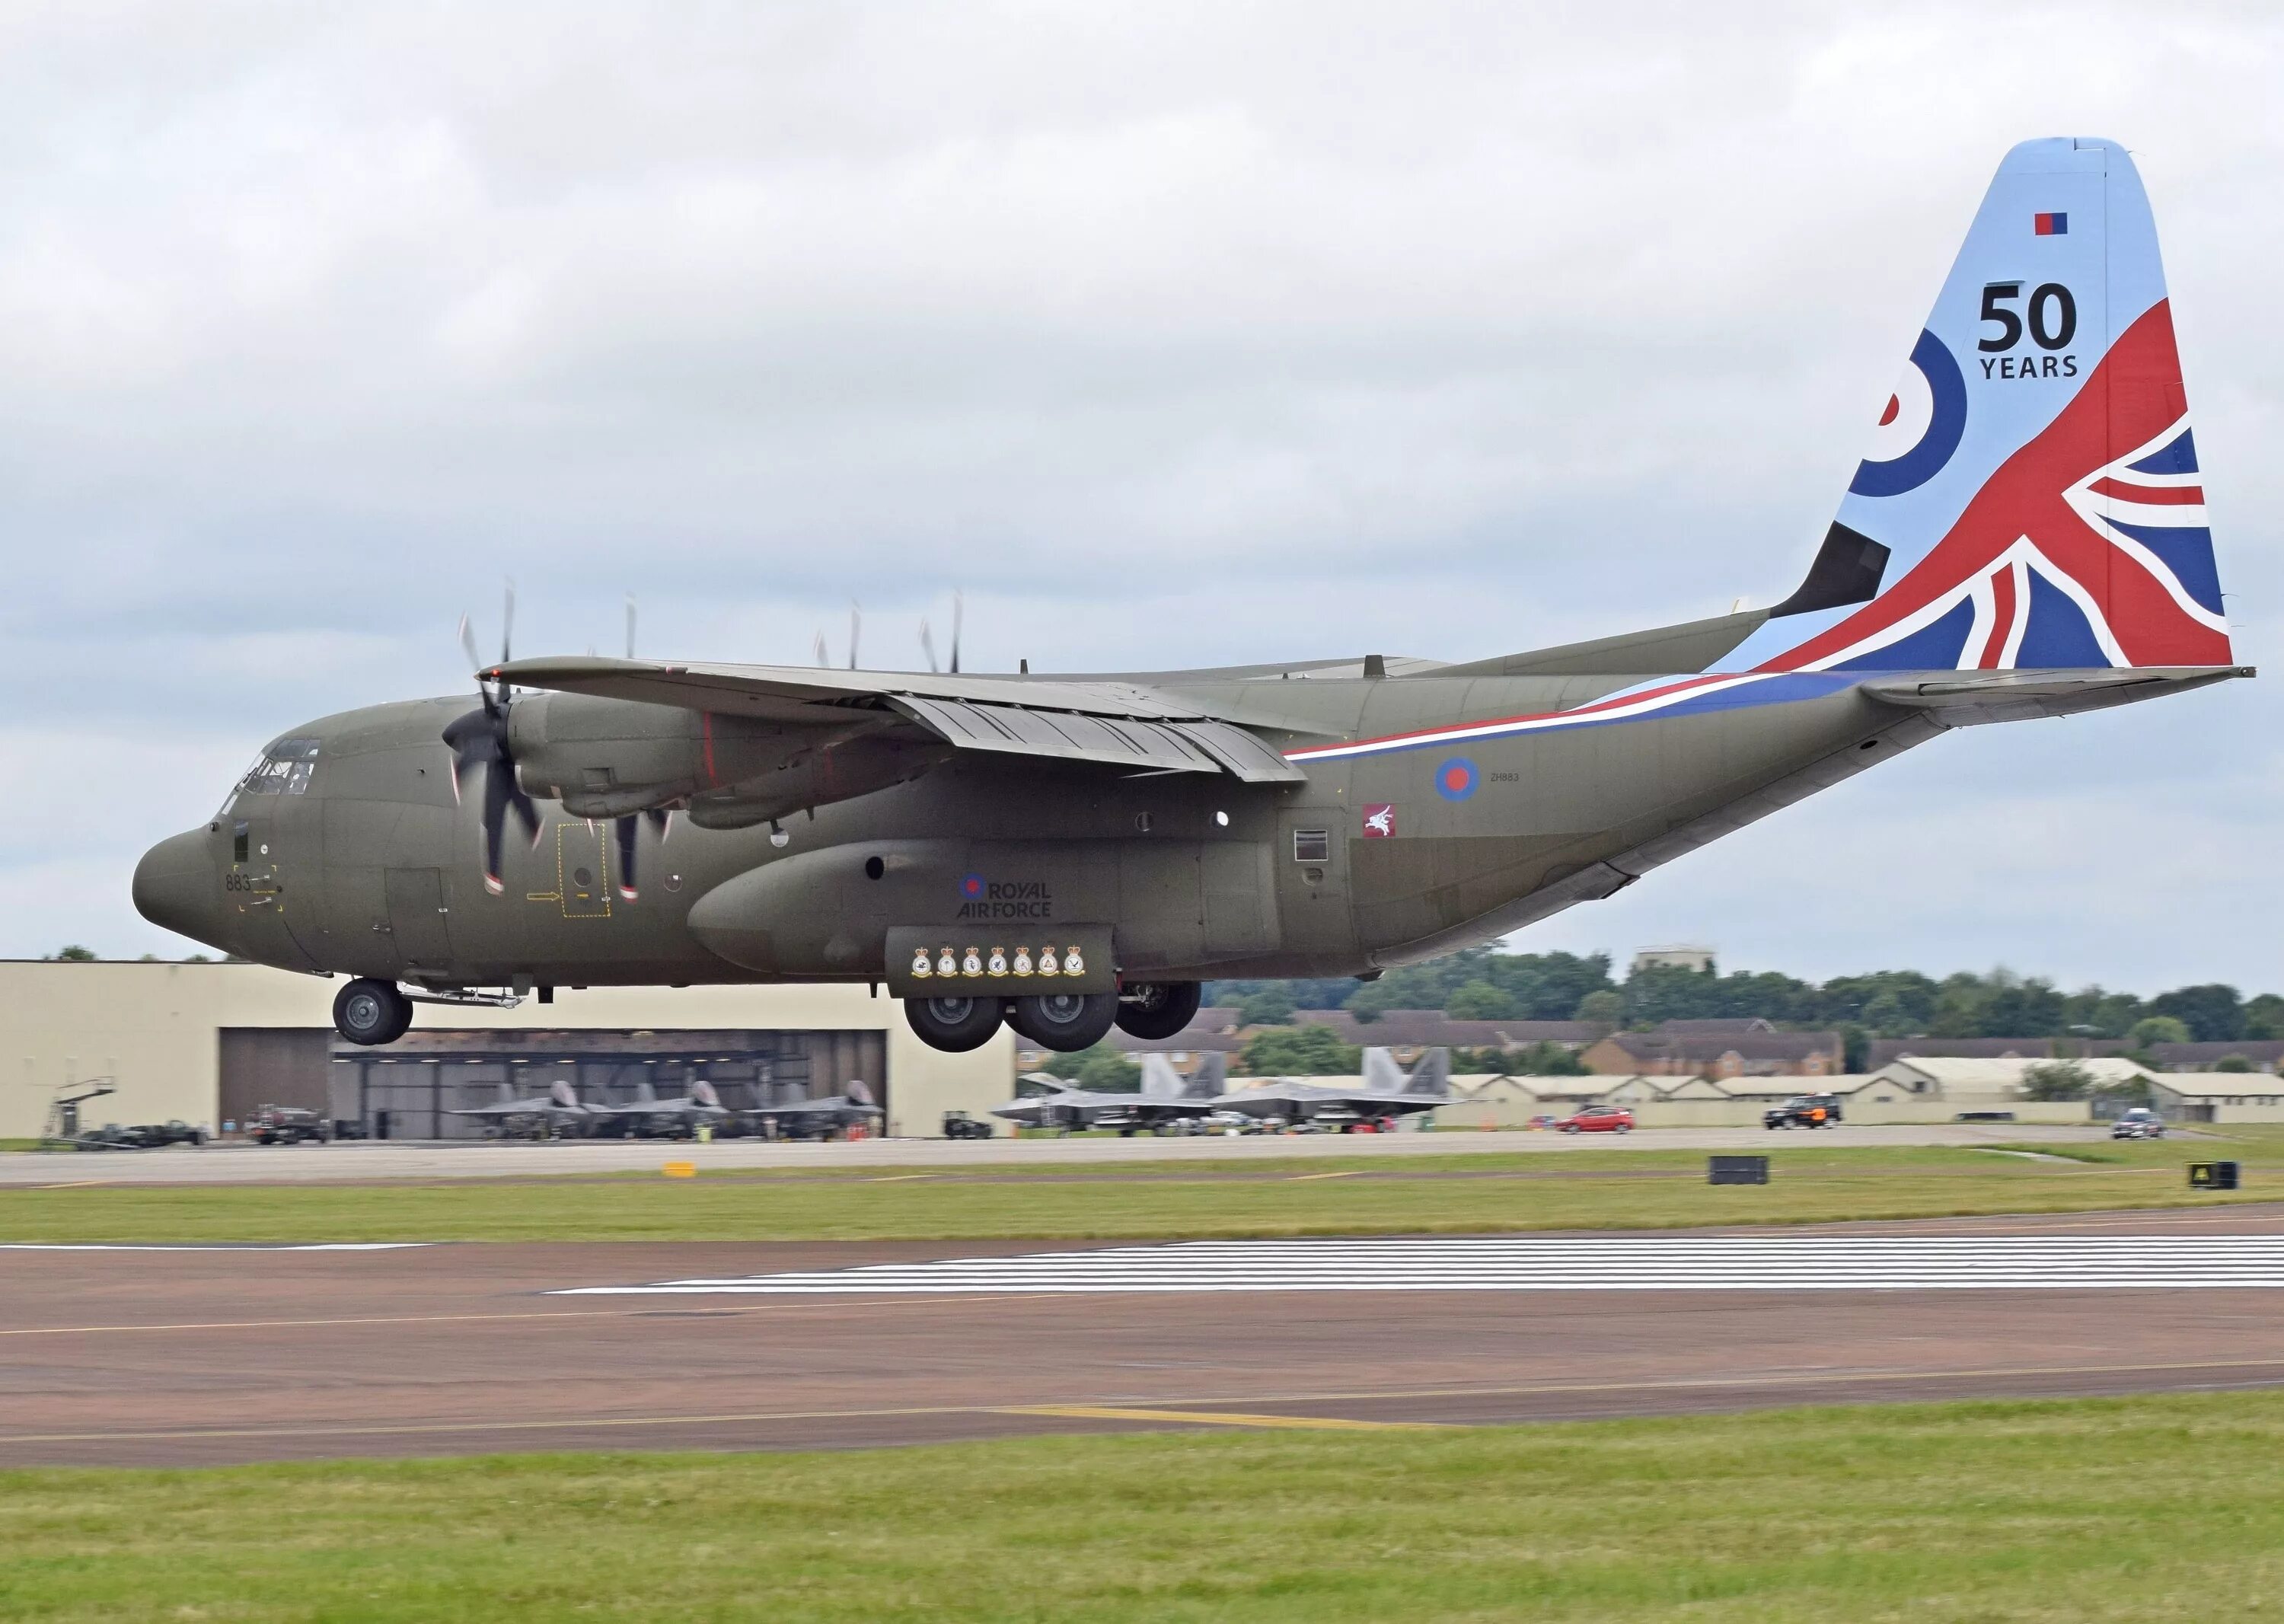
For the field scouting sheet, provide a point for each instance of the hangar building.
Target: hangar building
(210, 1042)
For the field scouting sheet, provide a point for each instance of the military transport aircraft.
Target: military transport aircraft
(2027, 538)
(1164, 1098)
(1382, 1095)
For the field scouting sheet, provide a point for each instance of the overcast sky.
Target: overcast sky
(1171, 332)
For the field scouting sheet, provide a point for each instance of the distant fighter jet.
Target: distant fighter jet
(559, 1109)
(821, 1118)
(1383, 1094)
(651, 1114)
(1165, 1097)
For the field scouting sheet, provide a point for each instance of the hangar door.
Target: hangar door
(274, 1065)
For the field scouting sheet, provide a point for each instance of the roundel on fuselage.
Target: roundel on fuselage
(1921, 428)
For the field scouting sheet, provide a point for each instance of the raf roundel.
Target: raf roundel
(1456, 779)
(971, 886)
(1919, 428)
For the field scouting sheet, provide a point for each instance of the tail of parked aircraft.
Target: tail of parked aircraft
(561, 1093)
(1210, 1077)
(1381, 1074)
(2032, 497)
(1159, 1079)
(1432, 1075)
(702, 1091)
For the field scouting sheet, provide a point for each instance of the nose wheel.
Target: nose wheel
(370, 1012)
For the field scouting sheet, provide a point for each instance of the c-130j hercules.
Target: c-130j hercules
(2028, 538)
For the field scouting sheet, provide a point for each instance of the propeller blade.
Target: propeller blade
(507, 623)
(928, 645)
(630, 626)
(495, 817)
(959, 602)
(468, 645)
(627, 827)
(855, 625)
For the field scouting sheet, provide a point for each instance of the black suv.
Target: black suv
(1803, 1111)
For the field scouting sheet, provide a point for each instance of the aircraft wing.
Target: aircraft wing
(1966, 699)
(1107, 720)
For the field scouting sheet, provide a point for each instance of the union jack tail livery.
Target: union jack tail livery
(2033, 479)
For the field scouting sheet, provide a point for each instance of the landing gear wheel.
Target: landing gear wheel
(1065, 1021)
(1153, 1010)
(368, 1012)
(953, 1025)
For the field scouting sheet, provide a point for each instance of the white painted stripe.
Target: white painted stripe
(1467, 1263)
(330, 1246)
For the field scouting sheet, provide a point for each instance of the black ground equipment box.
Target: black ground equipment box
(1736, 1169)
(2212, 1176)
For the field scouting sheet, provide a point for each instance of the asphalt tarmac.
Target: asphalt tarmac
(360, 1161)
(181, 1356)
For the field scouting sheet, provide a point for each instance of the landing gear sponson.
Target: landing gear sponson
(1065, 1022)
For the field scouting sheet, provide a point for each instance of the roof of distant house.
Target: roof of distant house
(1696, 1048)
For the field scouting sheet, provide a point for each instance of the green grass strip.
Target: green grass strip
(2162, 1508)
(1585, 1190)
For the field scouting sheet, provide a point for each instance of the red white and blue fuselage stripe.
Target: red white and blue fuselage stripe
(1671, 696)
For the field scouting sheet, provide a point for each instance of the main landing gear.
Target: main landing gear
(1065, 1022)
(370, 1013)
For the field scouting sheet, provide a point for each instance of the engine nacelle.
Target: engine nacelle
(606, 758)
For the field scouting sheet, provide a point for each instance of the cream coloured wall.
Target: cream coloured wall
(155, 1028)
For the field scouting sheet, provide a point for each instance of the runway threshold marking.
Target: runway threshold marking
(1761, 1261)
(1212, 1417)
(1789, 1382)
(1309, 1178)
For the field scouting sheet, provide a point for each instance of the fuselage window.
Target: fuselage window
(1312, 846)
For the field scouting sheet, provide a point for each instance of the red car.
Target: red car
(1598, 1119)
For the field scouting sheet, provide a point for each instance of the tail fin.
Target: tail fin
(1210, 1079)
(1380, 1071)
(2033, 474)
(703, 1092)
(1159, 1079)
(1432, 1075)
(562, 1094)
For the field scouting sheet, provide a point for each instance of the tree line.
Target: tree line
(1484, 984)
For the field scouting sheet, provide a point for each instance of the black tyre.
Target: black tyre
(953, 1025)
(1067, 1022)
(368, 1012)
(1157, 1010)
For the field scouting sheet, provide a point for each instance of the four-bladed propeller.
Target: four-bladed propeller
(928, 638)
(481, 739)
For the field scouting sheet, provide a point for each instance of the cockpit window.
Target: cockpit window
(284, 769)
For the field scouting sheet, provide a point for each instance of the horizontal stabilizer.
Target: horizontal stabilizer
(1965, 698)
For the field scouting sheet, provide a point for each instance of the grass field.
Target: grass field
(1587, 1189)
(2166, 1508)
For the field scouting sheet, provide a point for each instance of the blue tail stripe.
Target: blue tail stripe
(2188, 553)
(2179, 457)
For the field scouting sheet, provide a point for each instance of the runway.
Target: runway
(365, 1161)
(181, 1355)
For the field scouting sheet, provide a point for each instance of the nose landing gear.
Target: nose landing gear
(370, 1012)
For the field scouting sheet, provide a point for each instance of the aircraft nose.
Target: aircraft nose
(174, 888)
